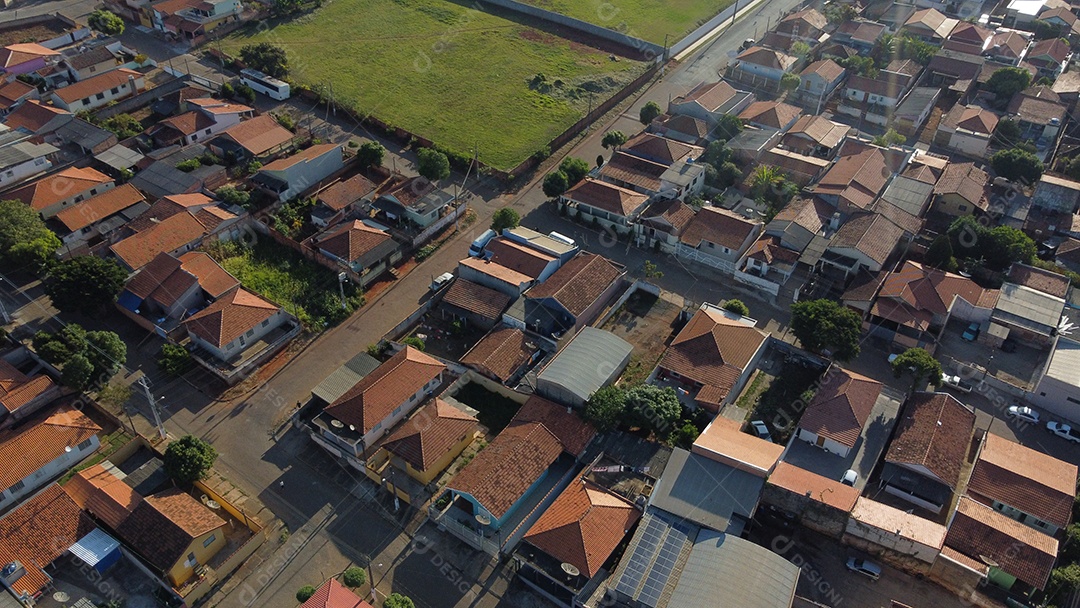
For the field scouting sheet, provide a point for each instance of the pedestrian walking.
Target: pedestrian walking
(281, 484)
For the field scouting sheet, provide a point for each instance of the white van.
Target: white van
(478, 245)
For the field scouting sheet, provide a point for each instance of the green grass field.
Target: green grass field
(648, 20)
(454, 75)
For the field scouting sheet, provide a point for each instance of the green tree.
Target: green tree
(727, 175)
(599, 160)
(304, 593)
(1015, 164)
(1064, 580)
(505, 218)
(728, 126)
(114, 395)
(1045, 30)
(837, 13)
(432, 164)
(654, 408)
(799, 49)
(1006, 82)
(1011, 245)
(122, 125)
(737, 307)
(396, 600)
(24, 239)
(106, 22)
(555, 184)
(245, 93)
(1007, 133)
(174, 360)
(267, 58)
(826, 325)
(789, 82)
(57, 348)
(84, 284)
(106, 352)
(188, 459)
(891, 137)
(649, 112)
(860, 65)
(605, 408)
(684, 436)
(1070, 548)
(77, 372)
(717, 153)
(233, 196)
(940, 254)
(415, 342)
(370, 154)
(613, 139)
(575, 169)
(354, 577)
(925, 365)
(651, 270)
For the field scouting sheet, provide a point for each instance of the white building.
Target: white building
(40, 450)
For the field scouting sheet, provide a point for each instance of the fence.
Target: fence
(757, 282)
(434, 229)
(144, 98)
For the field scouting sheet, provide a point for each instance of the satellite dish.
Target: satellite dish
(570, 569)
(337, 424)
(483, 519)
(352, 427)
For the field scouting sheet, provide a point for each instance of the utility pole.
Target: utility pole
(153, 407)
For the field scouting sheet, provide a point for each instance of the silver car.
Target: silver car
(866, 568)
(1023, 413)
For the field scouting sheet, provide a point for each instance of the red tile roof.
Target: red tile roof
(1024, 478)
(162, 280)
(966, 181)
(259, 134)
(982, 533)
(675, 212)
(578, 283)
(659, 148)
(97, 84)
(822, 489)
(709, 95)
(828, 69)
(33, 115)
(1038, 279)
(819, 129)
(17, 389)
(35, 443)
(767, 58)
(218, 106)
(934, 432)
(500, 353)
(583, 526)
(718, 226)
(607, 197)
(856, 179)
(344, 193)
(100, 207)
(932, 290)
(572, 432)
(871, 234)
(13, 91)
(333, 594)
(477, 299)
(351, 241)
(372, 399)
(496, 271)
(517, 257)
(841, 406)
(773, 114)
(16, 54)
(229, 317)
(633, 170)
(311, 153)
(724, 441)
(38, 532)
(214, 280)
(430, 433)
(187, 123)
(712, 350)
(165, 236)
(101, 493)
(59, 186)
(162, 527)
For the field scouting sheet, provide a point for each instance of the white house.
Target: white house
(234, 322)
(22, 160)
(835, 418)
(96, 92)
(287, 178)
(40, 450)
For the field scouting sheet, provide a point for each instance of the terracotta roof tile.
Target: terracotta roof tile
(862, 31)
(673, 211)
(218, 106)
(333, 594)
(981, 533)
(372, 399)
(773, 114)
(1036, 110)
(496, 271)
(841, 406)
(660, 149)
(100, 207)
(162, 527)
(572, 432)
(822, 489)
(500, 353)
(583, 526)
(578, 283)
(631, 169)
(767, 57)
(101, 493)
(214, 280)
(768, 249)
(187, 123)
(856, 179)
(166, 236)
(607, 197)
(344, 193)
(929, 289)
(687, 125)
(59, 186)
(432, 431)
(709, 95)
(965, 180)
(212, 217)
(723, 441)
(351, 241)
(13, 91)
(977, 120)
(17, 389)
(869, 233)
(259, 134)
(229, 317)
(819, 129)
(1038, 279)
(1008, 44)
(477, 299)
(1024, 478)
(517, 257)
(33, 115)
(16, 54)
(38, 532)
(35, 443)
(934, 432)
(96, 84)
(1053, 48)
(826, 68)
(718, 226)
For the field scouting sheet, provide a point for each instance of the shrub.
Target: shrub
(737, 307)
(396, 600)
(354, 577)
(414, 342)
(189, 165)
(304, 593)
(174, 359)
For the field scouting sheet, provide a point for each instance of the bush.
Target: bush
(285, 120)
(114, 395)
(304, 593)
(232, 196)
(189, 165)
(245, 93)
(396, 600)
(227, 91)
(737, 307)
(354, 577)
(122, 125)
(414, 342)
(505, 218)
(188, 459)
(174, 359)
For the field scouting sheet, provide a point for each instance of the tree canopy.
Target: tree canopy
(826, 325)
(737, 307)
(889, 138)
(728, 126)
(84, 284)
(613, 139)
(370, 154)
(1006, 82)
(940, 254)
(432, 164)
(654, 408)
(1015, 164)
(24, 239)
(789, 81)
(188, 459)
(997, 247)
(106, 22)
(649, 112)
(575, 169)
(605, 408)
(396, 600)
(555, 184)
(925, 366)
(267, 58)
(103, 351)
(505, 218)
(1007, 133)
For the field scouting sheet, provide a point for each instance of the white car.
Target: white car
(864, 567)
(1024, 413)
(849, 478)
(954, 381)
(1064, 431)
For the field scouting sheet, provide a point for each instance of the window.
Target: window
(1042, 394)
(18, 486)
(93, 69)
(86, 101)
(39, 161)
(242, 342)
(86, 230)
(229, 346)
(115, 90)
(191, 562)
(397, 410)
(209, 541)
(377, 427)
(207, 131)
(79, 198)
(85, 444)
(963, 207)
(413, 398)
(195, 137)
(250, 332)
(93, 191)
(1072, 400)
(266, 322)
(99, 96)
(10, 174)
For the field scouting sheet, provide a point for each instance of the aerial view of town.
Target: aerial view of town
(539, 303)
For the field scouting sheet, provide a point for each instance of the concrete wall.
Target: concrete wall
(811, 513)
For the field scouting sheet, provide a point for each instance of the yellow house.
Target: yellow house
(961, 190)
(424, 445)
(174, 533)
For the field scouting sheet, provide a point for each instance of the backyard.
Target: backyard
(647, 323)
(646, 19)
(281, 275)
(768, 395)
(495, 411)
(460, 77)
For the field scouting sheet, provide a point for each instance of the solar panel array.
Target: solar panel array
(653, 560)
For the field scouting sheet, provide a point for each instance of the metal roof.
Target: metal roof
(21, 152)
(345, 377)
(1029, 308)
(120, 157)
(83, 134)
(94, 547)
(746, 575)
(1065, 362)
(706, 492)
(653, 561)
(162, 179)
(591, 360)
(908, 194)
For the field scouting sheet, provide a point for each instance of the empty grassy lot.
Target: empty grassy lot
(460, 77)
(648, 20)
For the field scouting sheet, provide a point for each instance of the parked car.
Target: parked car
(477, 246)
(749, 42)
(761, 430)
(864, 567)
(971, 333)
(954, 381)
(849, 478)
(1024, 413)
(442, 280)
(1064, 431)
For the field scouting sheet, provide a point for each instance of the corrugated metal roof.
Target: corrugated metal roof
(706, 492)
(744, 574)
(94, 547)
(591, 360)
(345, 377)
